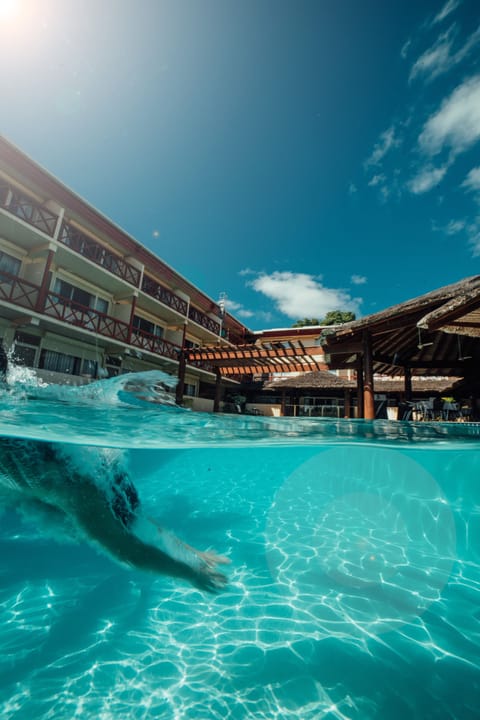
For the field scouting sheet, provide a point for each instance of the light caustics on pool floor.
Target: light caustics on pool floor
(354, 593)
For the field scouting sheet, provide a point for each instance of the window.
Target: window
(8, 264)
(90, 367)
(189, 389)
(25, 348)
(59, 362)
(76, 295)
(145, 326)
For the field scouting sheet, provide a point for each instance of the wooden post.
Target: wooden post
(132, 315)
(360, 403)
(368, 397)
(218, 390)
(408, 382)
(346, 402)
(282, 408)
(42, 295)
(182, 364)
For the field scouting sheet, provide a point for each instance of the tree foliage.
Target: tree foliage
(333, 317)
(306, 321)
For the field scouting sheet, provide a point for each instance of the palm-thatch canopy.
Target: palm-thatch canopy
(326, 381)
(434, 334)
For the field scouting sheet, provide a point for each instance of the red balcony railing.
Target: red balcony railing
(203, 320)
(165, 296)
(97, 253)
(26, 209)
(73, 313)
(17, 291)
(153, 343)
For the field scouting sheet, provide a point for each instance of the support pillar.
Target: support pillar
(368, 397)
(360, 403)
(408, 383)
(182, 364)
(282, 407)
(218, 390)
(346, 402)
(132, 314)
(42, 295)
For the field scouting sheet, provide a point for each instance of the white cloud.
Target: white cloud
(405, 48)
(237, 309)
(386, 142)
(446, 10)
(298, 295)
(439, 58)
(377, 180)
(454, 227)
(436, 59)
(427, 179)
(352, 189)
(473, 231)
(457, 123)
(472, 181)
(358, 279)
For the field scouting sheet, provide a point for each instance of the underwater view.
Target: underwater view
(162, 563)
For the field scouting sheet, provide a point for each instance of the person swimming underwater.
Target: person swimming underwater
(90, 488)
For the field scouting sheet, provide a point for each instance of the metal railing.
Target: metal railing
(26, 209)
(162, 294)
(97, 253)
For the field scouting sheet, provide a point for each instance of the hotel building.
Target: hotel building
(81, 299)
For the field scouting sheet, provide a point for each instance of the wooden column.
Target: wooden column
(42, 295)
(408, 383)
(182, 364)
(282, 409)
(132, 314)
(360, 404)
(346, 402)
(368, 398)
(218, 390)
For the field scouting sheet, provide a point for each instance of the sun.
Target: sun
(9, 8)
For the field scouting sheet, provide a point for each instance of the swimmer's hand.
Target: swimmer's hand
(209, 577)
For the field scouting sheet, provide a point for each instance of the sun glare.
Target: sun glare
(9, 8)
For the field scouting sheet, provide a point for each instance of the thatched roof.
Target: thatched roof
(323, 380)
(434, 334)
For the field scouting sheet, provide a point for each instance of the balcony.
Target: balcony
(18, 292)
(95, 252)
(206, 322)
(65, 310)
(155, 344)
(26, 209)
(162, 294)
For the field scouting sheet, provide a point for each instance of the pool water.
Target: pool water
(353, 589)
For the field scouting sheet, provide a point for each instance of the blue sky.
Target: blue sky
(300, 156)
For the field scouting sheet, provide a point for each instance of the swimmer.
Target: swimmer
(88, 487)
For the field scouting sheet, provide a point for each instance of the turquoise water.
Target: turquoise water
(353, 589)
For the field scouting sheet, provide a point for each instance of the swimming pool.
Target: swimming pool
(354, 584)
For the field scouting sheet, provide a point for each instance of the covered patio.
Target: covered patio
(435, 336)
